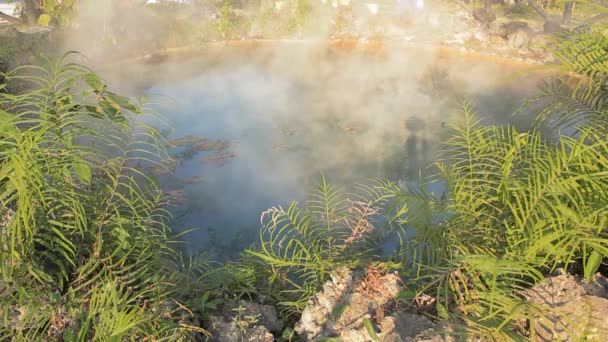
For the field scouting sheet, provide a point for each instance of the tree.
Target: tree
(31, 11)
(568, 12)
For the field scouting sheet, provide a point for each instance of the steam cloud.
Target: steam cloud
(295, 110)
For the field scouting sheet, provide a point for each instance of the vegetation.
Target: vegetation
(304, 246)
(516, 206)
(87, 251)
(84, 243)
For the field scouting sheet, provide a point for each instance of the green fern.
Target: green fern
(517, 205)
(303, 245)
(577, 96)
(84, 230)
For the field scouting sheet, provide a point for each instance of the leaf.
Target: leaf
(44, 20)
(406, 294)
(338, 311)
(6, 124)
(288, 334)
(123, 102)
(370, 329)
(94, 81)
(592, 264)
(82, 171)
(442, 311)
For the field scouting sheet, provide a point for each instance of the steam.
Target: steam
(296, 110)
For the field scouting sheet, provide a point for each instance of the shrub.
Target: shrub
(84, 234)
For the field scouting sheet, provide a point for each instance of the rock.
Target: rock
(483, 16)
(579, 311)
(17, 45)
(267, 315)
(226, 331)
(517, 34)
(518, 39)
(408, 327)
(505, 29)
(538, 51)
(245, 321)
(350, 299)
(319, 309)
(481, 36)
(552, 27)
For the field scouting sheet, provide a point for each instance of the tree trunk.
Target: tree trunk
(488, 6)
(568, 12)
(31, 11)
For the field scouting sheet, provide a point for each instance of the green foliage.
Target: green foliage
(369, 327)
(578, 95)
(303, 245)
(516, 205)
(225, 23)
(57, 12)
(84, 230)
(301, 11)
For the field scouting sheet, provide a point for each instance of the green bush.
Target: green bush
(84, 235)
(517, 205)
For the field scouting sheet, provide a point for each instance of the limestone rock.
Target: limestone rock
(226, 331)
(245, 321)
(552, 27)
(579, 310)
(516, 33)
(483, 16)
(350, 300)
(320, 307)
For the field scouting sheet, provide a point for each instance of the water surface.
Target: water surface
(280, 116)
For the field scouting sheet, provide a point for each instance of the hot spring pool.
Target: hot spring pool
(266, 120)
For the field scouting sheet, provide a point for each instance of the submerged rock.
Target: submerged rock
(360, 306)
(579, 311)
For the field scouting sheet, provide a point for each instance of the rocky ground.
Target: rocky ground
(354, 306)
(360, 306)
(579, 310)
(516, 39)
